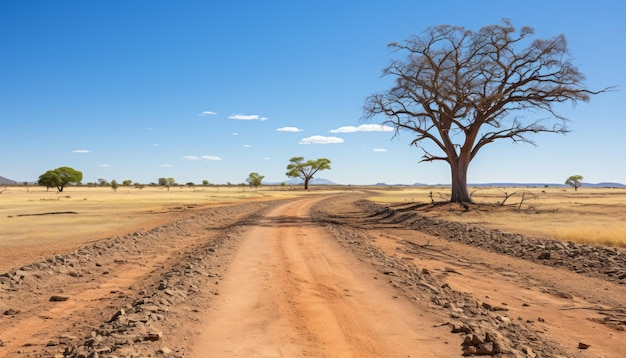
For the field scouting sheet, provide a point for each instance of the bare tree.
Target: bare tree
(460, 90)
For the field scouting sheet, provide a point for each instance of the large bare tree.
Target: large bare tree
(462, 89)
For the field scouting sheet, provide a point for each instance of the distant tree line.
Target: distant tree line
(63, 176)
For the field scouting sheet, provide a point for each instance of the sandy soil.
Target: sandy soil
(313, 277)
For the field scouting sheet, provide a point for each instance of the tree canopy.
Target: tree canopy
(458, 90)
(255, 179)
(60, 177)
(167, 182)
(575, 181)
(298, 168)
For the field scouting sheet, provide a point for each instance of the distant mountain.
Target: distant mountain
(519, 185)
(414, 184)
(604, 185)
(6, 181)
(553, 185)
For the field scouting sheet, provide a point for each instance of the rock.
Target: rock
(476, 340)
(58, 298)
(153, 336)
(622, 276)
(544, 256)
(529, 352)
(582, 345)
(117, 315)
(460, 329)
(484, 349)
(11, 312)
(469, 351)
(503, 319)
(165, 350)
(496, 348)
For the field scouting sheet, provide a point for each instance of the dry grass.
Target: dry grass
(101, 212)
(590, 215)
(594, 216)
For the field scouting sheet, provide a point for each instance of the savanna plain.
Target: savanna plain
(334, 271)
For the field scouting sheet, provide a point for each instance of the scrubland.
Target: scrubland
(594, 216)
(32, 214)
(590, 215)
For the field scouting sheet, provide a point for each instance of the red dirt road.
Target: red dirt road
(293, 291)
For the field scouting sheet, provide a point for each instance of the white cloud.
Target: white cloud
(155, 145)
(289, 129)
(104, 166)
(235, 133)
(207, 113)
(247, 146)
(164, 166)
(248, 117)
(267, 158)
(363, 128)
(203, 157)
(81, 151)
(379, 150)
(319, 139)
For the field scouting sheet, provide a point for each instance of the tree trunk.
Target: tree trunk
(306, 183)
(459, 181)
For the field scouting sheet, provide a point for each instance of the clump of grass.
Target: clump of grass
(614, 236)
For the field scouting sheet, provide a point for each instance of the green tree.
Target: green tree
(205, 182)
(298, 168)
(255, 179)
(49, 179)
(167, 182)
(127, 182)
(575, 181)
(114, 185)
(60, 177)
(458, 90)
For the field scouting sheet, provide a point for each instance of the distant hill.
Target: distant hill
(604, 185)
(520, 185)
(552, 185)
(6, 181)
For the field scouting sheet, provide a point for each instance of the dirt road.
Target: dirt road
(293, 291)
(313, 277)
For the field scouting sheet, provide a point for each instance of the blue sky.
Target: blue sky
(215, 90)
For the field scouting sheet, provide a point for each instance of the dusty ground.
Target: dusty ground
(327, 276)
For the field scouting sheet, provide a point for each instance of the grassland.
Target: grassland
(32, 216)
(590, 215)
